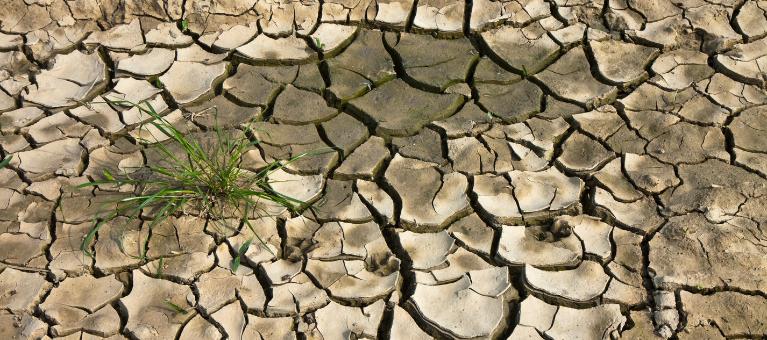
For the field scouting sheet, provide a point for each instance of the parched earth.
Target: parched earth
(527, 169)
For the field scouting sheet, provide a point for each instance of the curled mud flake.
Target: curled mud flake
(641, 215)
(67, 257)
(451, 308)
(649, 174)
(216, 288)
(190, 82)
(600, 322)
(22, 18)
(678, 69)
(714, 22)
(334, 321)
(151, 63)
(269, 328)
(355, 281)
(594, 234)
(622, 63)
(155, 307)
(667, 32)
(21, 326)
(21, 291)
(23, 250)
(390, 13)
(404, 326)
(298, 296)
(752, 20)
(432, 70)
(83, 304)
(289, 50)
(570, 78)
(126, 37)
(539, 50)
(75, 77)
(234, 37)
(545, 193)
(473, 233)
(360, 66)
(418, 182)
(199, 328)
(331, 39)
(426, 250)
(581, 153)
(536, 246)
(584, 283)
(340, 203)
(167, 35)
(233, 319)
(399, 110)
(365, 161)
(62, 157)
(441, 16)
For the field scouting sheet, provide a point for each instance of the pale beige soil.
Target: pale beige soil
(462, 138)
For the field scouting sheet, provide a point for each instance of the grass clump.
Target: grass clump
(184, 25)
(201, 178)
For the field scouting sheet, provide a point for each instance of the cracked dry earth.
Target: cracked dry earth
(524, 169)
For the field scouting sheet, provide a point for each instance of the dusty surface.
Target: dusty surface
(529, 169)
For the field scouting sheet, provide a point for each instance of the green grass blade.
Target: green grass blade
(174, 307)
(162, 170)
(93, 184)
(159, 267)
(92, 234)
(260, 240)
(167, 153)
(168, 209)
(108, 175)
(5, 162)
(240, 253)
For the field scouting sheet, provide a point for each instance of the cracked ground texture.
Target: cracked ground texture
(500, 169)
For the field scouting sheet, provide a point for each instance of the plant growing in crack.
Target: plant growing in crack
(240, 253)
(5, 162)
(203, 179)
(319, 44)
(184, 25)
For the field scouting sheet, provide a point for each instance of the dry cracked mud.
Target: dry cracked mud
(498, 169)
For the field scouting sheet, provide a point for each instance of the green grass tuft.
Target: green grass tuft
(203, 179)
(319, 44)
